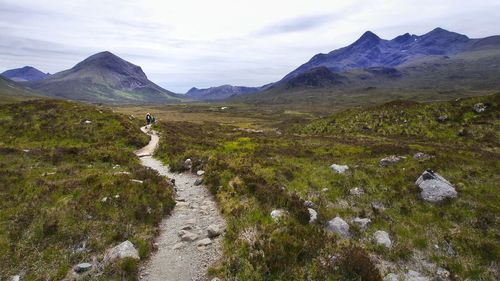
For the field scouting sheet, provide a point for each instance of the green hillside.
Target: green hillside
(253, 172)
(56, 171)
(12, 92)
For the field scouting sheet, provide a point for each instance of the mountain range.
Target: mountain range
(220, 92)
(27, 73)
(103, 78)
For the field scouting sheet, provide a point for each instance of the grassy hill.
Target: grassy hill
(253, 172)
(13, 92)
(56, 169)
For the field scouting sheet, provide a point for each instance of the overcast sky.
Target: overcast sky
(186, 43)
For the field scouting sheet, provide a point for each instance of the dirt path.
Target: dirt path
(184, 250)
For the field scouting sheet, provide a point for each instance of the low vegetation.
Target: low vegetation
(67, 191)
(253, 172)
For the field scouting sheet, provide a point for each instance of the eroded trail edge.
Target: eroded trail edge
(190, 237)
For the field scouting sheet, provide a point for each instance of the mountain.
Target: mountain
(372, 51)
(104, 78)
(27, 73)
(434, 66)
(220, 92)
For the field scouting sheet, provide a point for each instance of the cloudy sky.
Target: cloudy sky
(185, 43)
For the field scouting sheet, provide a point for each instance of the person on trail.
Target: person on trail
(148, 119)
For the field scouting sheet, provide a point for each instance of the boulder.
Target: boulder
(277, 214)
(479, 107)
(339, 168)
(339, 226)
(357, 191)
(15, 278)
(434, 187)
(313, 215)
(362, 223)
(124, 250)
(82, 267)
(198, 182)
(213, 231)
(390, 160)
(382, 238)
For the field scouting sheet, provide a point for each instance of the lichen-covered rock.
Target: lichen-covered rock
(479, 107)
(339, 226)
(124, 250)
(277, 214)
(434, 187)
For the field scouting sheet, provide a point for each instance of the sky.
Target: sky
(186, 43)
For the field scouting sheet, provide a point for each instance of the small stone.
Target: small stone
(377, 207)
(442, 273)
(137, 181)
(420, 156)
(204, 242)
(198, 182)
(200, 173)
(339, 226)
(479, 107)
(187, 227)
(362, 222)
(442, 118)
(189, 237)
(188, 164)
(104, 199)
(339, 168)
(415, 276)
(309, 204)
(117, 196)
(313, 215)
(82, 267)
(357, 191)
(213, 231)
(15, 278)
(390, 160)
(277, 214)
(88, 122)
(382, 238)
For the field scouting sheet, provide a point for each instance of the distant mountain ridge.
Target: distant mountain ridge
(220, 92)
(104, 78)
(27, 73)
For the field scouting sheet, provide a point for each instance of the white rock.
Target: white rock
(392, 277)
(357, 191)
(313, 215)
(277, 214)
(415, 276)
(443, 273)
(15, 278)
(339, 168)
(479, 107)
(204, 242)
(434, 187)
(137, 181)
(200, 173)
(124, 250)
(87, 122)
(382, 238)
(104, 199)
(213, 231)
(339, 226)
(362, 222)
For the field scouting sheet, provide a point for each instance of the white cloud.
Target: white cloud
(180, 44)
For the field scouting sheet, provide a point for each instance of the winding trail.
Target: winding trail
(194, 212)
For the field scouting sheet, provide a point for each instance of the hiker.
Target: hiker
(148, 119)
